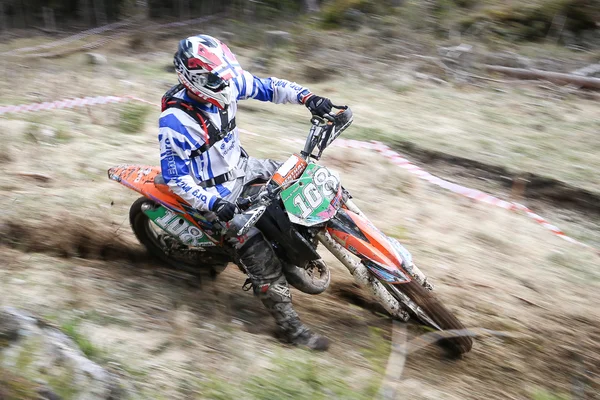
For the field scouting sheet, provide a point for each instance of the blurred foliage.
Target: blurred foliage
(512, 20)
(339, 12)
(532, 21)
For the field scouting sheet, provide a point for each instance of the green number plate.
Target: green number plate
(315, 198)
(179, 227)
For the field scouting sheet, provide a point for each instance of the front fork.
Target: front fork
(363, 277)
(412, 269)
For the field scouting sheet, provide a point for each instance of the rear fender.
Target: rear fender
(358, 235)
(141, 179)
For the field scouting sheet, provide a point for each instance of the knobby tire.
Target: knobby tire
(425, 299)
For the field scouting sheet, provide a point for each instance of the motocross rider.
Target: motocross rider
(202, 160)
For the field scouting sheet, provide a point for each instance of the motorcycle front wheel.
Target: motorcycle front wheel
(167, 249)
(432, 310)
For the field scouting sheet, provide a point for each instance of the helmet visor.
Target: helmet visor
(213, 82)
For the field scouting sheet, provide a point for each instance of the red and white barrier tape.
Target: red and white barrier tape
(474, 194)
(381, 148)
(60, 104)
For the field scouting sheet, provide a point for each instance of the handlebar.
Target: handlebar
(251, 208)
(331, 116)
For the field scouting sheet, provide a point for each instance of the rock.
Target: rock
(9, 329)
(277, 38)
(51, 353)
(96, 59)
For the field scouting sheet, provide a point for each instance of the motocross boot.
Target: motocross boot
(265, 271)
(277, 299)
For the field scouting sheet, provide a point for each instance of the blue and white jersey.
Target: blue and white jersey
(180, 134)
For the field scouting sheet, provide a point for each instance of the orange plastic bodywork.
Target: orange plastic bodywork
(293, 172)
(376, 247)
(141, 179)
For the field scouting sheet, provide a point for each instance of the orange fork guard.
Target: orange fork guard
(376, 247)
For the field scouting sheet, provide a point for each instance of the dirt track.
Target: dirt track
(450, 238)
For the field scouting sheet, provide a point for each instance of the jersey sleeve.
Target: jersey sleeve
(176, 145)
(269, 89)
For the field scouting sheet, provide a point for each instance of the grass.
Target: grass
(15, 387)
(298, 375)
(305, 378)
(71, 329)
(546, 395)
(104, 319)
(26, 355)
(61, 382)
(558, 140)
(132, 117)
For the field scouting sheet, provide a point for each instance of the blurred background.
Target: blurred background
(500, 96)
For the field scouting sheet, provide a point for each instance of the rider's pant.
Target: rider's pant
(258, 259)
(256, 256)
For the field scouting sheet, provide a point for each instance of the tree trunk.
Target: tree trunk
(311, 5)
(184, 9)
(100, 12)
(3, 26)
(554, 77)
(84, 12)
(49, 21)
(142, 12)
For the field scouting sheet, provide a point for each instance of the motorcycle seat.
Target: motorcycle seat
(161, 185)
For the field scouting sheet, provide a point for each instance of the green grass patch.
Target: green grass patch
(105, 319)
(27, 354)
(215, 388)
(32, 132)
(132, 117)
(298, 375)
(546, 395)
(63, 135)
(302, 379)
(61, 382)
(71, 329)
(399, 232)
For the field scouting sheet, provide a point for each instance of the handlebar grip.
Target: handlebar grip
(339, 107)
(243, 203)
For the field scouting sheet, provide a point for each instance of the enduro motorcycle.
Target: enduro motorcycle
(302, 205)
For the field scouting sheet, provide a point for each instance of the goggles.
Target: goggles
(211, 81)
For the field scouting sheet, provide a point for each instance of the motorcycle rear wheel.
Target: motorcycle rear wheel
(154, 239)
(443, 317)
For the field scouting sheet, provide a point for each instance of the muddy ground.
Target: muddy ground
(68, 255)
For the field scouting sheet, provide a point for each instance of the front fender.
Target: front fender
(378, 252)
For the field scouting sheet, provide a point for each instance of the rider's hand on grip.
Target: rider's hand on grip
(224, 209)
(318, 105)
(243, 203)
